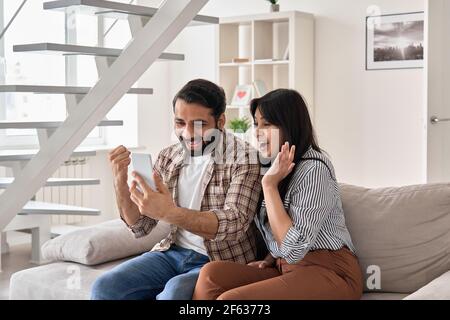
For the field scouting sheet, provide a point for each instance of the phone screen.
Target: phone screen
(142, 164)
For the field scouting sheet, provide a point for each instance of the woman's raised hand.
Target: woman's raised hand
(281, 167)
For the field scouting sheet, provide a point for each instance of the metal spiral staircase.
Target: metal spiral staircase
(153, 29)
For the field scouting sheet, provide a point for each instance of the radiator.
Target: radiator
(3, 172)
(69, 195)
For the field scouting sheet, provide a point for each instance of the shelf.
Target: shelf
(50, 124)
(70, 49)
(36, 207)
(280, 47)
(106, 148)
(237, 107)
(235, 64)
(256, 63)
(281, 16)
(270, 62)
(115, 10)
(55, 182)
(25, 155)
(61, 89)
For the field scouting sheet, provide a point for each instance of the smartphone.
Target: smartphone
(142, 164)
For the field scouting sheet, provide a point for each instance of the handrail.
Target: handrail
(114, 23)
(2, 34)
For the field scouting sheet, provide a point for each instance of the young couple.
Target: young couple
(209, 189)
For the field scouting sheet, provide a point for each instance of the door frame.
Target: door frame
(437, 76)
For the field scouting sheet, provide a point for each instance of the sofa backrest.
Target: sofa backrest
(402, 233)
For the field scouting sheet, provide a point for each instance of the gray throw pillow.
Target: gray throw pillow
(101, 243)
(402, 232)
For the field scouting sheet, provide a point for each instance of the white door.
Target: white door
(438, 91)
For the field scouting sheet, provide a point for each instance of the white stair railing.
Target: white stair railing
(8, 25)
(146, 47)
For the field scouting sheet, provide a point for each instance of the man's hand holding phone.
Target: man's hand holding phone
(157, 202)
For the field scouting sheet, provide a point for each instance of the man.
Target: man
(208, 187)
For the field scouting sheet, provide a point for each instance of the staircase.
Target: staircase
(153, 29)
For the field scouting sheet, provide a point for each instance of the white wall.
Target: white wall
(371, 122)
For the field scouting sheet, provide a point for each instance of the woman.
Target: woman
(311, 255)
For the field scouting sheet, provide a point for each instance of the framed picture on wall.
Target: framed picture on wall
(395, 41)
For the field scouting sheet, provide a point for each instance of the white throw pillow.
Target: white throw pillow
(101, 243)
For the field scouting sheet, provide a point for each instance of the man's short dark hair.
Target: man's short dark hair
(205, 93)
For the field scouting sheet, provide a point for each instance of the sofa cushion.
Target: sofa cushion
(101, 243)
(383, 296)
(405, 232)
(57, 281)
(438, 289)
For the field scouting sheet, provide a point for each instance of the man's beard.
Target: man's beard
(207, 146)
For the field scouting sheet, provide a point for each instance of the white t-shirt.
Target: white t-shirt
(190, 184)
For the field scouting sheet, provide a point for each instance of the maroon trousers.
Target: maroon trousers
(321, 275)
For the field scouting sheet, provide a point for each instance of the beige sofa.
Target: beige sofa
(402, 236)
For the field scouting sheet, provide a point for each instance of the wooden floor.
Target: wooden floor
(17, 259)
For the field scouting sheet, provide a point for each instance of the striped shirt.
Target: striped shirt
(314, 204)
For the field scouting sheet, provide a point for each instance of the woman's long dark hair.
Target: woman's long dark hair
(287, 110)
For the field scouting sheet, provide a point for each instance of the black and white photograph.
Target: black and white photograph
(395, 41)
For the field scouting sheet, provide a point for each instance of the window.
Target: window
(25, 68)
(126, 109)
(81, 70)
(35, 25)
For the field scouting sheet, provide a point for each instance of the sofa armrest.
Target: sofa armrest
(438, 289)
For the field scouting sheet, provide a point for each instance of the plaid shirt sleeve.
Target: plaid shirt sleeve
(240, 203)
(146, 224)
(143, 226)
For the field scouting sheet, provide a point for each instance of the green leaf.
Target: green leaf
(240, 124)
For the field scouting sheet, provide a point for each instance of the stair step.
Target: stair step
(70, 49)
(50, 124)
(55, 182)
(61, 89)
(23, 155)
(115, 10)
(37, 207)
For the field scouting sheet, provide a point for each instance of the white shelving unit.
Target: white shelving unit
(263, 39)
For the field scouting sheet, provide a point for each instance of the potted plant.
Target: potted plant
(239, 126)
(274, 6)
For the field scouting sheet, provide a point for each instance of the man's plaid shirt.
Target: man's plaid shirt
(231, 190)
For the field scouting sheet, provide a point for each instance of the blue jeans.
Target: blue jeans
(169, 275)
